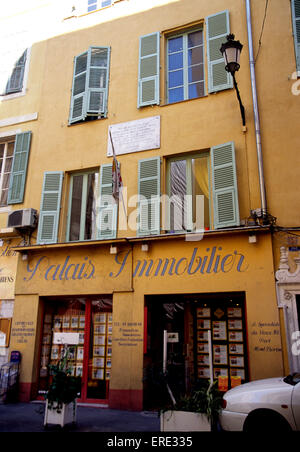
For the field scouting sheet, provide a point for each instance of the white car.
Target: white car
(261, 405)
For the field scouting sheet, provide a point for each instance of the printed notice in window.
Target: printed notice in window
(134, 136)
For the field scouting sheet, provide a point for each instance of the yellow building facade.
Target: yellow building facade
(178, 251)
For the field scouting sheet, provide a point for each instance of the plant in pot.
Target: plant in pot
(196, 411)
(62, 394)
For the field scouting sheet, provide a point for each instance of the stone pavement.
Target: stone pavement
(29, 417)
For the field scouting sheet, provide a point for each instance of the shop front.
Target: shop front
(118, 305)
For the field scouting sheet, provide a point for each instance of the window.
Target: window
(94, 4)
(14, 155)
(92, 212)
(15, 82)
(188, 178)
(201, 191)
(6, 158)
(185, 66)
(296, 28)
(82, 206)
(90, 85)
(185, 69)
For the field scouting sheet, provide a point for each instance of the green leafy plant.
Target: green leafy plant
(64, 388)
(205, 398)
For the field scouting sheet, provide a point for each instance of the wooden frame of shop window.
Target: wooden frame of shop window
(5, 327)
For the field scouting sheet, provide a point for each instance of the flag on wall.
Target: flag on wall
(117, 183)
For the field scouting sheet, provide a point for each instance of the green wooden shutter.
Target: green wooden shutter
(19, 168)
(78, 97)
(50, 207)
(296, 29)
(217, 28)
(148, 78)
(224, 186)
(15, 82)
(90, 84)
(108, 208)
(98, 75)
(149, 196)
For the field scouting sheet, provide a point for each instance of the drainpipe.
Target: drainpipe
(256, 114)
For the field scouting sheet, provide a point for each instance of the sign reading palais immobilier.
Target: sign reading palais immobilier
(134, 136)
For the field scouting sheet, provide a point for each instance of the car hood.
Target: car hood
(258, 393)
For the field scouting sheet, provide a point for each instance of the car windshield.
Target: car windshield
(292, 379)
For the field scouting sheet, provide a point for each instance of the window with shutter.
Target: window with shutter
(296, 30)
(224, 186)
(90, 85)
(19, 168)
(148, 74)
(217, 28)
(108, 208)
(50, 207)
(15, 82)
(199, 184)
(149, 196)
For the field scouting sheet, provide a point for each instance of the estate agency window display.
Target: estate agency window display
(91, 320)
(227, 325)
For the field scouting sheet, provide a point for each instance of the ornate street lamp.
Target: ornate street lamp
(231, 51)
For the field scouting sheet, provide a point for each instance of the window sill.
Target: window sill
(182, 101)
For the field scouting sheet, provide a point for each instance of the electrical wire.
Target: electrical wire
(262, 29)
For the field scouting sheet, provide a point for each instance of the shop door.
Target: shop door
(90, 321)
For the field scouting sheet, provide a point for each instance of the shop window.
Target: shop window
(14, 153)
(184, 65)
(89, 323)
(90, 85)
(188, 319)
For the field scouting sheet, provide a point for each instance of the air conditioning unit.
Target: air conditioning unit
(23, 219)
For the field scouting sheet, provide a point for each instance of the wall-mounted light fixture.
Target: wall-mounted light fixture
(113, 249)
(231, 51)
(145, 247)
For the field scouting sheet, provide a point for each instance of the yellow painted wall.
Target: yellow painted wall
(187, 126)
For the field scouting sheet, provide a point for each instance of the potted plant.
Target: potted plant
(61, 407)
(196, 411)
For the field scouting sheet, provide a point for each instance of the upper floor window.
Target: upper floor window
(296, 29)
(90, 85)
(14, 153)
(82, 206)
(188, 181)
(6, 158)
(15, 81)
(201, 192)
(185, 66)
(97, 4)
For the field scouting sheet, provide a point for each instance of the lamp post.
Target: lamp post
(231, 51)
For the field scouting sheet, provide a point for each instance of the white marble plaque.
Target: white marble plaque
(135, 136)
